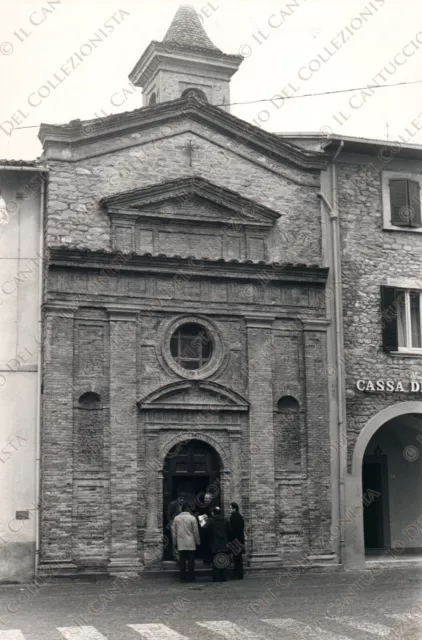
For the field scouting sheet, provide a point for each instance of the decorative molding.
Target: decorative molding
(160, 54)
(219, 352)
(195, 435)
(227, 400)
(404, 283)
(59, 310)
(123, 314)
(259, 322)
(226, 428)
(315, 325)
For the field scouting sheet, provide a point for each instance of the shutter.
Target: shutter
(389, 319)
(398, 202)
(414, 203)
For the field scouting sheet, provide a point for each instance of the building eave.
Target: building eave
(22, 165)
(359, 145)
(78, 133)
(114, 261)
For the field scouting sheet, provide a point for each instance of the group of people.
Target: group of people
(224, 538)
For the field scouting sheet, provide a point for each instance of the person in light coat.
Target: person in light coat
(186, 539)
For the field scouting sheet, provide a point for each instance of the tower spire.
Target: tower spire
(186, 58)
(186, 30)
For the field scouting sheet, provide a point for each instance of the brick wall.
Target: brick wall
(114, 340)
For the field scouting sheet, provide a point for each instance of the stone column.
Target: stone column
(319, 477)
(225, 482)
(57, 441)
(235, 455)
(123, 441)
(261, 442)
(153, 541)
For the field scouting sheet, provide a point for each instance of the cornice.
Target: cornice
(122, 313)
(259, 321)
(315, 325)
(167, 265)
(141, 72)
(78, 133)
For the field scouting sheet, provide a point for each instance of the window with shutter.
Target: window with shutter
(414, 203)
(389, 308)
(405, 202)
(401, 319)
(398, 201)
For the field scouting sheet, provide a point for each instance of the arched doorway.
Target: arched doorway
(191, 469)
(384, 490)
(392, 485)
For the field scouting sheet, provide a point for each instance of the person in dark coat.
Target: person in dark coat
(218, 529)
(203, 509)
(237, 540)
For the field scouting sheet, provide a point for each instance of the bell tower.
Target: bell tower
(185, 59)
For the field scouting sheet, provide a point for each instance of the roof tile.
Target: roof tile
(187, 30)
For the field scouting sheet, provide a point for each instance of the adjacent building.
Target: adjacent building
(22, 192)
(379, 200)
(371, 202)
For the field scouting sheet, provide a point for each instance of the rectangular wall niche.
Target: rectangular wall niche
(90, 354)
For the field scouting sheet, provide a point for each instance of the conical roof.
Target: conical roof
(187, 30)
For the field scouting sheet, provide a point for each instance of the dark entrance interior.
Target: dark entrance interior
(375, 503)
(191, 467)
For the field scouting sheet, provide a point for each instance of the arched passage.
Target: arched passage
(191, 472)
(386, 471)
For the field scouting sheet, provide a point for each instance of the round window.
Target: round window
(191, 346)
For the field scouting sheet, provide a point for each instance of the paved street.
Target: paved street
(341, 606)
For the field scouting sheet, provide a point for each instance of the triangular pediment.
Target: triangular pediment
(77, 133)
(190, 199)
(194, 396)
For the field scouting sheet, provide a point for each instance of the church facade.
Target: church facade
(186, 342)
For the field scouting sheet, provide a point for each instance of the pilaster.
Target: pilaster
(236, 469)
(318, 434)
(153, 540)
(123, 441)
(261, 441)
(57, 439)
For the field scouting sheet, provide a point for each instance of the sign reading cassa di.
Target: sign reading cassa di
(391, 386)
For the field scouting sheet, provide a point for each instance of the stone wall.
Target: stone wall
(369, 256)
(133, 161)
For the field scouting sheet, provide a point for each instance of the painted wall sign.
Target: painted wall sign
(392, 386)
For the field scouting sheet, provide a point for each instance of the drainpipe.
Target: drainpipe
(39, 381)
(338, 306)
